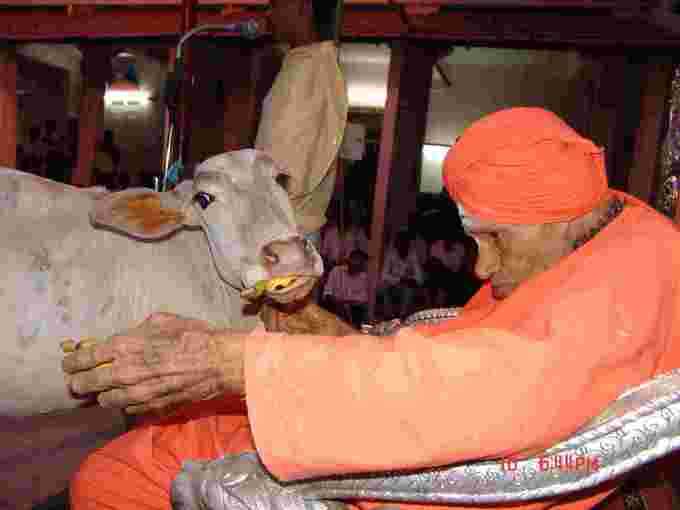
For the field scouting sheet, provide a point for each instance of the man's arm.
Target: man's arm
(365, 404)
(320, 407)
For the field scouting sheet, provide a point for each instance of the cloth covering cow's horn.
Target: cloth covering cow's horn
(310, 94)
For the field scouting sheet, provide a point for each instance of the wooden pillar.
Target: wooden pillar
(616, 114)
(267, 64)
(403, 131)
(657, 75)
(239, 76)
(184, 116)
(96, 67)
(168, 159)
(8, 107)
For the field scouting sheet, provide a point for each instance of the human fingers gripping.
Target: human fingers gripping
(88, 358)
(125, 368)
(166, 404)
(147, 391)
(91, 381)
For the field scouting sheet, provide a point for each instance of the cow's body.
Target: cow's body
(61, 278)
(64, 278)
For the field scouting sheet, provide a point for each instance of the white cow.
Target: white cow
(62, 278)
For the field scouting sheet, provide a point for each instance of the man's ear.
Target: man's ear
(142, 213)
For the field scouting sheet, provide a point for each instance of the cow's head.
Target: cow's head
(236, 199)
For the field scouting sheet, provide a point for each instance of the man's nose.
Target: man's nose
(488, 258)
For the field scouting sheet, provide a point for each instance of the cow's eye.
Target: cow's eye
(203, 199)
(283, 180)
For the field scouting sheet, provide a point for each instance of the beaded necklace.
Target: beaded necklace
(615, 207)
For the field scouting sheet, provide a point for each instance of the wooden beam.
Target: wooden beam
(515, 4)
(512, 4)
(133, 3)
(96, 65)
(33, 24)
(414, 101)
(517, 27)
(657, 75)
(8, 107)
(403, 132)
(537, 27)
(388, 136)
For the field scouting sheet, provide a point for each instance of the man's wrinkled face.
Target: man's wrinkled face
(511, 254)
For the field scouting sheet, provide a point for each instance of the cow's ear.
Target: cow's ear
(140, 213)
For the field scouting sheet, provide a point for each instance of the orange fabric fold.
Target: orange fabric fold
(525, 166)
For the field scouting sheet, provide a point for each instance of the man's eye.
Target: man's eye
(203, 199)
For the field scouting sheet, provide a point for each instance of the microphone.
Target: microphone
(249, 29)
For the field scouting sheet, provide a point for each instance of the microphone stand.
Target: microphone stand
(172, 159)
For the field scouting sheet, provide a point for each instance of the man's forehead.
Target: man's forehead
(475, 224)
(468, 221)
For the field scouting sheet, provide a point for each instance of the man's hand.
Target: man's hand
(164, 362)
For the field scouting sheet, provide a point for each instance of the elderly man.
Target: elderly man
(580, 304)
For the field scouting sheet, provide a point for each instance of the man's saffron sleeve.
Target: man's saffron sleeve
(323, 405)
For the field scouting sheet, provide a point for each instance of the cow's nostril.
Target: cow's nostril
(272, 259)
(269, 255)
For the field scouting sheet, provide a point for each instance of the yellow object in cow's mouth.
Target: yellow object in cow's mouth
(70, 345)
(273, 284)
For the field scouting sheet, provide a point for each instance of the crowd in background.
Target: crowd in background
(428, 263)
(47, 152)
(52, 154)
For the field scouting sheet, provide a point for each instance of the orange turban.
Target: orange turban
(525, 166)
